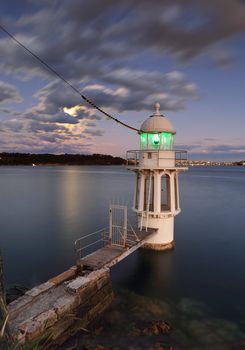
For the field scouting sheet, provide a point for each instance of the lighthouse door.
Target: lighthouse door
(118, 225)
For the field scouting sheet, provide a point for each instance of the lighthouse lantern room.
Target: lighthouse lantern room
(157, 166)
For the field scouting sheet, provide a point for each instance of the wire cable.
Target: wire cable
(45, 64)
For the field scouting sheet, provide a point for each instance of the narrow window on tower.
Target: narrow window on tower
(149, 193)
(176, 190)
(165, 193)
(137, 190)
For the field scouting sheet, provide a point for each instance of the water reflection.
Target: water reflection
(44, 209)
(153, 273)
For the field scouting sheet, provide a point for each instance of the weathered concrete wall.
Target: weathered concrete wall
(5, 338)
(51, 312)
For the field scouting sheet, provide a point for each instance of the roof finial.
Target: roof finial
(157, 109)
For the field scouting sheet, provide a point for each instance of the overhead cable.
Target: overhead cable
(50, 68)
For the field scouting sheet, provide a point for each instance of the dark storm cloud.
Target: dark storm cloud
(195, 27)
(97, 45)
(184, 28)
(94, 41)
(9, 93)
(83, 38)
(132, 89)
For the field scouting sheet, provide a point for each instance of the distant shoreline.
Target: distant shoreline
(59, 165)
(28, 159)
(58, 159)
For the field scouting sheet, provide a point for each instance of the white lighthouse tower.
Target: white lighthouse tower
(157, 166)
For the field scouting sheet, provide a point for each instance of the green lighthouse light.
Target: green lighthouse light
(162, 140)
(156, 139)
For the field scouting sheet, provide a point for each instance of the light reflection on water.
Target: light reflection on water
(44, 209)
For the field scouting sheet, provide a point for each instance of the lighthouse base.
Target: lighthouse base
(159, 247)
(163, 238)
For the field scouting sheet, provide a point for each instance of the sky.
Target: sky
(125, 55)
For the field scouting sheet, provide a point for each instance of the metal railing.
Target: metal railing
(119, 233)
(133, 156)
(89, 243)
(118, 224)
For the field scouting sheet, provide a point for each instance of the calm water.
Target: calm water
(44, 209)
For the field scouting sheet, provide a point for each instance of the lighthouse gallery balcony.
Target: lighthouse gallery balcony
(156, 159)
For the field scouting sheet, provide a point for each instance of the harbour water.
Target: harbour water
(44, 209)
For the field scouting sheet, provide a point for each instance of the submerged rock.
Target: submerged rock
(135, 322)
(157, 327)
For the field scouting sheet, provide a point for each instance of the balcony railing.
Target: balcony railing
(179, 157)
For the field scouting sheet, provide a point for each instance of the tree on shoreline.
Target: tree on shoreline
(59, 159)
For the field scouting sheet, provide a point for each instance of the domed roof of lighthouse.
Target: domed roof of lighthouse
(157, 123)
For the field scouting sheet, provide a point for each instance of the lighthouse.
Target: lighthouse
(157, 166)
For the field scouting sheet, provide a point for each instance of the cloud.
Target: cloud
(93, 132)
(227, 149)
(45, 126)
(9, 94)
(183, 29)
(90, 124)
(137, 90)
(58, 103)
(205, 148)
(32, 136)
(105, 48)
(223, 58)
(66, 34)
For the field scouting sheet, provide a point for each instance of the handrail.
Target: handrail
(79, 248)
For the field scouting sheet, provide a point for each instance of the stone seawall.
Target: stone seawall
(50, 313)
(5, 337)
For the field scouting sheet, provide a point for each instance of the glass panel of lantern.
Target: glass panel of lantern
(162, 140)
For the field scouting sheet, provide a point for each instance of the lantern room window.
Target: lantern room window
(143, 141)
(167, 141)
(156, 141)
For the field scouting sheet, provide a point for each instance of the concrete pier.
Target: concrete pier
(5, 337)
(53, 311)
